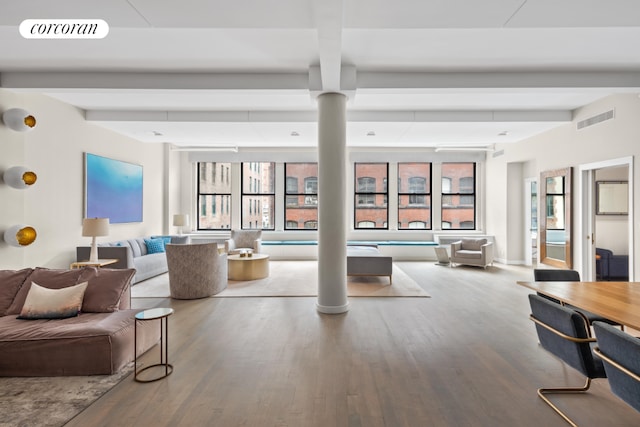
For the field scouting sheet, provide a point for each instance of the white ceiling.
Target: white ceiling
(418, 73)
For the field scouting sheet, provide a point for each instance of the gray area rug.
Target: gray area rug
(51, 401)
(295, 279)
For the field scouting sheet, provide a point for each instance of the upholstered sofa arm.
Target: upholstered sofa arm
(123, 254)
(487, 252)
(456, 246)
(229, 245)
(619, 266)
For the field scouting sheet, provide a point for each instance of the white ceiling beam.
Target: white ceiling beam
(311, 116)
(511, 80)
(328, 18)
(155, 81)
(305, 81)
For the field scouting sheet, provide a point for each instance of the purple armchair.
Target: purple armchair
(611, 266)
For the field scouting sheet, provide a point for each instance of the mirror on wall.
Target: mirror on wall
(555, 218)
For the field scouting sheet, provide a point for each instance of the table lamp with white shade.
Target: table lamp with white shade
(94, 227)
(181, 220)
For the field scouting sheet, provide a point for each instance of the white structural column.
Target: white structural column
(332, 233)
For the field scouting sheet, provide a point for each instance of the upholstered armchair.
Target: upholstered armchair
(478, 252)
(243, 240)
(196, 270)
(611, 266)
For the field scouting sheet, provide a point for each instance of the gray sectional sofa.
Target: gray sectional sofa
(133, 253)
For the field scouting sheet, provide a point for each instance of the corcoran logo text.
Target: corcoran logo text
(64, 29)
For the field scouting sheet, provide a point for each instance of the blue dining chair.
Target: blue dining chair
(621, 355)
(565, 333)
(548, 275)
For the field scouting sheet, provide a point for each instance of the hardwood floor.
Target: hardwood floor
(467, 356)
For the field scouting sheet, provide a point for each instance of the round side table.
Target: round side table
(162, 315)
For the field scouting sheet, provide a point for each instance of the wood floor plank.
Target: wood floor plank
(467, 356)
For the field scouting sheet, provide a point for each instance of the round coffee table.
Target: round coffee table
(248, 267)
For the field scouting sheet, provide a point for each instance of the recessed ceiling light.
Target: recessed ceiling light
(503, 133)
(371, 133)
(294, 133)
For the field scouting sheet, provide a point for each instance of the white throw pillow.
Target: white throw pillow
(45, 303)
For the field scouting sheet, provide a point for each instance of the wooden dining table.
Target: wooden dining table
(617, 301)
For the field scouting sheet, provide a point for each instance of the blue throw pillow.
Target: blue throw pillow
(154, 246)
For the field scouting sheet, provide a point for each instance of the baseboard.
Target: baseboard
(509, 262)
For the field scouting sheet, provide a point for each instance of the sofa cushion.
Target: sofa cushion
(245, 238)
(180, 240)
(154, 246)
(149, 266)
(46, 277)
(467, 254)
(106, 288)
(44, 303)
(90, 344)
(10, 283)
(473, 244)
(141, 244)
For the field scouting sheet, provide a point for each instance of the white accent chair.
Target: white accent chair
(477, 252)
(243, 240)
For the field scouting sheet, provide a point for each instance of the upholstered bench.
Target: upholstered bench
(367, 260)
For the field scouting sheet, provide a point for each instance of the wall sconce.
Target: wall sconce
(93, 227)
(19, 177)
(181, 220)
(20, 235)
(19, 120)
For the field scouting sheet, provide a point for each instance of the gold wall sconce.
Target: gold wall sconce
(19, 120)
(20, 235)
(19, 177)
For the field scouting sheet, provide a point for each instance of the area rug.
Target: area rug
(51, 401)
(296, 279)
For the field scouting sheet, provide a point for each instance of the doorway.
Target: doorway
(610, 232)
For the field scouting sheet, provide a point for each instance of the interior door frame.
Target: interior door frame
(588, 214)
(528, 251)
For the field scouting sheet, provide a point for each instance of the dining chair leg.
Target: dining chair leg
(562, 390)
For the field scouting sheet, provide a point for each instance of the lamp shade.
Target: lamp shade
(20, 235)
(181, 220)
(19, 177)
(93, 227)
(18, 119)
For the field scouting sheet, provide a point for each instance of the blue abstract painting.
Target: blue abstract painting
(113, 189)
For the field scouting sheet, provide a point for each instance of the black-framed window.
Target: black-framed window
(370, 195)
(414, 196)
(301, 196)
(458, 205)
(258, 195)
(214, 196)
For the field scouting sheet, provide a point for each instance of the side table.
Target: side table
(98, 263)
(162, 315)
(442, 255)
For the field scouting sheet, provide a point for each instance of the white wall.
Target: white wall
(612, 231)
(566, 146)
(54, 205)
(515, 216)
(11, 200)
